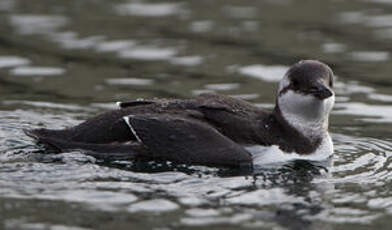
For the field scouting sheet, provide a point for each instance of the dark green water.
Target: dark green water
(66, 60)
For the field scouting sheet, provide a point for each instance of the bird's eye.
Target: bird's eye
(295, 83)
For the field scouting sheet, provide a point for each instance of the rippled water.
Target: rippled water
(64, 61)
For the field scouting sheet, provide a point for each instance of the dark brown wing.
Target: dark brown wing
(189, 141)
(207, 130)
(118, 151)
(237, 119)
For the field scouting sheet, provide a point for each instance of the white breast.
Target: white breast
(263, 155)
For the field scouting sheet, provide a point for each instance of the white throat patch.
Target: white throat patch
(309, 115)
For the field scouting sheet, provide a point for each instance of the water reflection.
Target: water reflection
(266, 73)
(70, 40)
(148, 53)
(240, 11)
(37, 24)
(151, 206)
(333, 47)
(370, 113)
(187, 60)
(114, 46)
(380, 97)
(129, 81)
(201, 26)
(149, 9)
(352, 87)
(43, 104)
(370, 56)
(37, 71)
(12, 61)
(7, 5)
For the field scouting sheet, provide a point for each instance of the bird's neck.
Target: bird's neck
(304, 113)
(312, 129)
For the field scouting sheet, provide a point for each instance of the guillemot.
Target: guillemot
(211, 129)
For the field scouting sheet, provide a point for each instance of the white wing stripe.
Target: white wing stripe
(126, 119)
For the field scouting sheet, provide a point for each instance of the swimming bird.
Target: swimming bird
(213, 130)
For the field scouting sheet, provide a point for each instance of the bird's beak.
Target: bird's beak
(321, 91)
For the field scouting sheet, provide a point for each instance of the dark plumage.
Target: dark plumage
(207, 130)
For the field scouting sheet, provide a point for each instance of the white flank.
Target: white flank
(263, 155)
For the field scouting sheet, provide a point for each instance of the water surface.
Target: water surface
(64, 61)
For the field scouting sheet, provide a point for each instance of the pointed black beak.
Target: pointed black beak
(321, 91)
